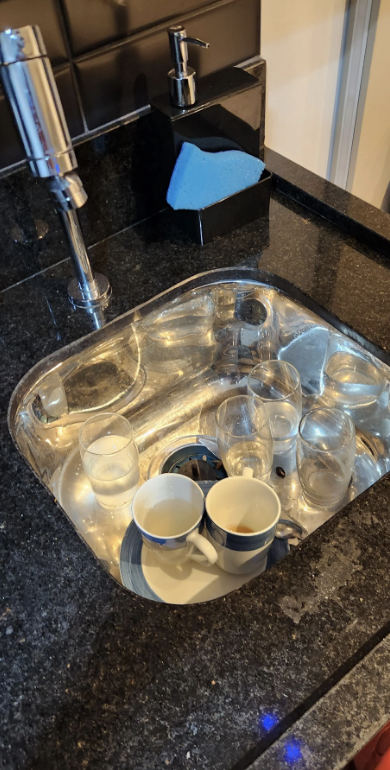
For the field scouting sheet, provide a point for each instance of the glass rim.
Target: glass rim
(96, 417)
(327, 409)
(266, 363)
(239, 435)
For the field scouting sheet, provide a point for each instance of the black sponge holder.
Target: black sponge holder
(203, 225)
(227, 116)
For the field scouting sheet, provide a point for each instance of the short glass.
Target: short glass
(244, 436)
(351, 377)
(278, 385)
(326, 448)
(110, 458)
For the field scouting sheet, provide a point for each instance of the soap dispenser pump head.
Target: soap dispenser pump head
(182, 87)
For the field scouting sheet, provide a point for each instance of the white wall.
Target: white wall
(369, 173)
(301, 42)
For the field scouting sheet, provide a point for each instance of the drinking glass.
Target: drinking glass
(110, 458)
(351, 378)
(255, 323)
(278, 385)
(181, 336)
(244, 436)
(325, 455)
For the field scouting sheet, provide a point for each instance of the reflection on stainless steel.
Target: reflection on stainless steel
(97, 386)
(165, 367)
(287, 529)
(29, 83)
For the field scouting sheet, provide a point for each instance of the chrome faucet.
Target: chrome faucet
(29, 83)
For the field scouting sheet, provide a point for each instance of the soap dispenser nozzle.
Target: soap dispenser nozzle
(181, 80)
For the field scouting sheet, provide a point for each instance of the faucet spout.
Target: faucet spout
(86, 289)
(30, 86)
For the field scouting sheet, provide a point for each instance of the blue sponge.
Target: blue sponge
(202, 178)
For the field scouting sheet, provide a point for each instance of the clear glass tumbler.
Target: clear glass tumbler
(278, 385)
(244, 436)
(325, 455)
(351, 378)
(110, 458)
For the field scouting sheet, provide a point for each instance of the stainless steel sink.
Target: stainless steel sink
(167, 365)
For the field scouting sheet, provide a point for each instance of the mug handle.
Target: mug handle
(207, 555)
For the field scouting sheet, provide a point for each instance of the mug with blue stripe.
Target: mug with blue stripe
(168, 511)
(241, 518)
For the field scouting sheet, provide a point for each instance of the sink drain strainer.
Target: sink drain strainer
(251, 311)
(193, 456)
(196, 462)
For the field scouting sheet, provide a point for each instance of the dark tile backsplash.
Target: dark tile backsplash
(44, 13)
(64, 79)
(111, 57)
(109, 21)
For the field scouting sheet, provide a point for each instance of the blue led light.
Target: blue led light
(292, 752)
(269, 721)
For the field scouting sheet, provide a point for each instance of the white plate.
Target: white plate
(188, 584)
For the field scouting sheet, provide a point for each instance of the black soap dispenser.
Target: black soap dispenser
(221, 111)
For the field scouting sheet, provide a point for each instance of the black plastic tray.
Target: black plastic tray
(202, 225)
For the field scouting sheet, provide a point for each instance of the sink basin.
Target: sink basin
(167, 365)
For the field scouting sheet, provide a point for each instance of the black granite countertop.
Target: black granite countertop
(274, 674)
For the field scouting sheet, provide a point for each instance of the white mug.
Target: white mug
(241, 518)
(168, 511)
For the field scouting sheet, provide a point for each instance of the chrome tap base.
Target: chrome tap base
(101, 293)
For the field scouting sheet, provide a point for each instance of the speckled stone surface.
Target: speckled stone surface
(93, 676)
(351, 214)
(360, 700)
